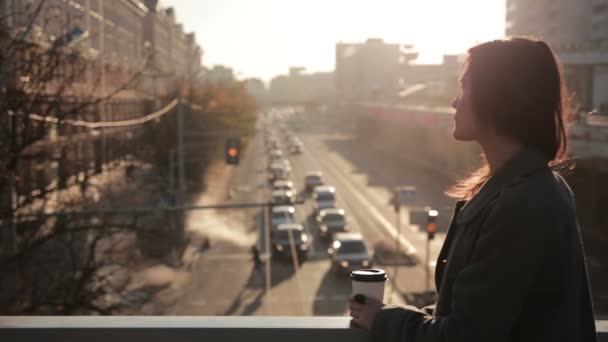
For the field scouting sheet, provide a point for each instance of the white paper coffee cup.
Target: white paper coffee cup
(369, 282)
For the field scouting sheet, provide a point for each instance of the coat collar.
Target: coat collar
(523, 164)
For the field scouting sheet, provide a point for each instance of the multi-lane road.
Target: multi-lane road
(224, 281)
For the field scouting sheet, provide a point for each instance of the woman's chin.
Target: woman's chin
(459, 136)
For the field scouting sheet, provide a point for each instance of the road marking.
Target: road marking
(388, 227)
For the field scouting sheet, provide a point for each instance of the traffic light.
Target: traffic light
(233, 151)
(431, 226)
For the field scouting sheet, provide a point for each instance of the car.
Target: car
(324, 197)
(282, 214)
(313, 179)
(275, 154)
(296, 149)
(349, 252)
(278, 170)
(281, 241)
(330, 222)
(284, 185)
(283, 197)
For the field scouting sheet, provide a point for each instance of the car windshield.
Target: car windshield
(351, 247)
(325, 196)
(283, 215)
(333, 219)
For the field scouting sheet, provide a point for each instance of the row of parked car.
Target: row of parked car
(346, 249)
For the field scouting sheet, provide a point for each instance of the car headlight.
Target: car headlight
(344, 264)
(365, 263)
(279, 248)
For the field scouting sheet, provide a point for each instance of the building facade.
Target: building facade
(133, 50)
(367, 71)
(578, 31)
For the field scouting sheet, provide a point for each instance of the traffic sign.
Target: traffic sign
(406, 194)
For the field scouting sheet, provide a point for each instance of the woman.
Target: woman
(512, 266)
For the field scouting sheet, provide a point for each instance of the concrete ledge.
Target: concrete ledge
(187, 328)
(178, 329)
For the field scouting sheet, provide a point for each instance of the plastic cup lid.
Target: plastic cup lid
(369, 275)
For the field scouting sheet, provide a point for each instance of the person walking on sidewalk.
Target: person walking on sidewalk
(512, 266)
(255, 256)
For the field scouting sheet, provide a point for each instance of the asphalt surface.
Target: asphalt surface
(224, 280)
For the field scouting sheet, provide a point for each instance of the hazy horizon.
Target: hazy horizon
(264, 38)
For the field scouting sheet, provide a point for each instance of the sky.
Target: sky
(263, 38)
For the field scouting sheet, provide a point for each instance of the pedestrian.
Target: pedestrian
(512, 266)
(255, 253)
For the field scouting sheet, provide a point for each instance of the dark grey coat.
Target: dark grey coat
(511, 268)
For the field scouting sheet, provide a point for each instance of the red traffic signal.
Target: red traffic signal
(431, 226)
(233, 151)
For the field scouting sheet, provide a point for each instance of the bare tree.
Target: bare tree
(61, 263)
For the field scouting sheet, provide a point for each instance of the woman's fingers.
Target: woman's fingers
(355, 306)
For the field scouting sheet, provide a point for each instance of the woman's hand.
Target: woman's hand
(363, 312)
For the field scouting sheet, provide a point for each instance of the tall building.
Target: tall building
(578, 31)
(367, 71)
(219, 75)
(174, 53)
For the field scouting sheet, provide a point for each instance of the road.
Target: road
(224, 281)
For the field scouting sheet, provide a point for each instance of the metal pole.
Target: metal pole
(427, 284)
(12, 237)
(172, 170)
(181, 181)
(267, 210)
(397, 236)
(294, 257)
(180, 147)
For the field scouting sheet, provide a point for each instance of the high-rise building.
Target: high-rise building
(367, 71)
(578, 31)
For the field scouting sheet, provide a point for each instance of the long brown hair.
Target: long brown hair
(517, 89)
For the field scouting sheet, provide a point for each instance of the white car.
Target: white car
(282, 214)
(349, 252)
(275, 155)
(283, 197)
(324, 197)
(313, 179)
(278, 170)
(286, 185)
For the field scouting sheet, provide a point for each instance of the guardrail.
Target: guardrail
(188, 328)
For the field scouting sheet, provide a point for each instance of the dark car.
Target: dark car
(281, 241)
(331, 221)
(349, 252)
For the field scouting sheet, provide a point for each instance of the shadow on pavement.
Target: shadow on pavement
(255, 282)
(332, 295)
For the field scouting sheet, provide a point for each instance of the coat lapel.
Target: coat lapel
(515, 170)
